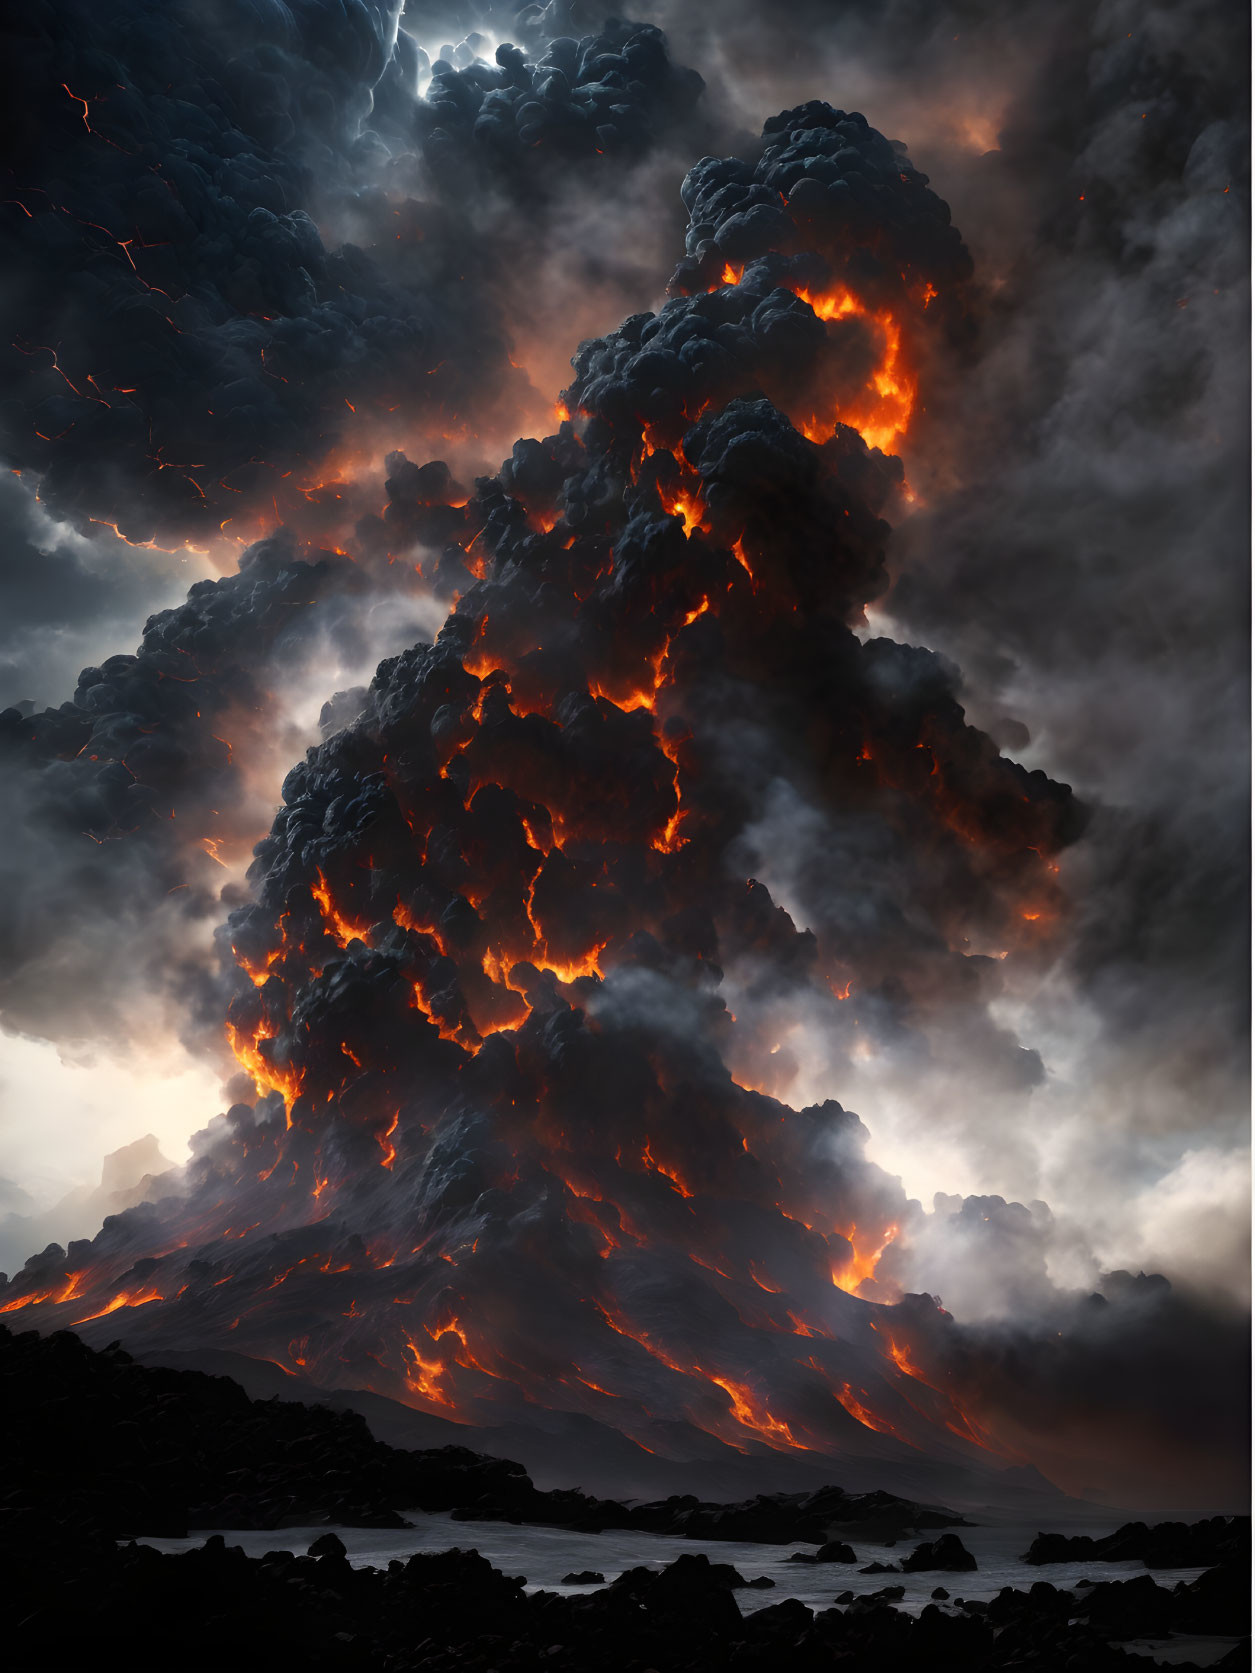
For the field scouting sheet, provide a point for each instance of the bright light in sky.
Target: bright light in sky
(58, 1120)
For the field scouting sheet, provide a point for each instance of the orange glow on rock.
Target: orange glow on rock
(686, 504)
(65, 1292)
(881, 412)
(127, 1298)
(863, 1261)
(267, 1075)
(342, 928)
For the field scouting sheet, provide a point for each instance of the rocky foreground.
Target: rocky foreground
(125, 1449)
(97, 1447)
(1216, 1539)
(214, 1607)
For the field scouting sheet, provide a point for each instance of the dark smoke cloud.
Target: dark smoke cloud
(181, 339)
(1079, 547)
(66, 597)
(500, 1156)
(223, 361)
(122, 800)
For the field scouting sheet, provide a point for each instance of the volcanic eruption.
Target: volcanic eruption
(500, 1158)
(505, 988)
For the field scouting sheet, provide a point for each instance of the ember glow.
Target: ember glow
(881, 411)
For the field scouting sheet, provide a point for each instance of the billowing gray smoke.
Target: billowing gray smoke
(1079, 546)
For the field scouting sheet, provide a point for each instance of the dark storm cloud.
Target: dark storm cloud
(120, 798)
(65, 596)
(179, 336)
(1103, 566)
(165, 164)
(172, 311)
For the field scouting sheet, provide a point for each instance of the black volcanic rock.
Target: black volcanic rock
(1165, 1545)
(786, 1518)
(586, 1577)
(1140, 1608)
(691, 1594)
(95, 1444)
(781, 1624)
(831, 1551)
(131, 1449)
(693, 1571)
(886, 1594)
(1220, 1596)
(835, 1551)
(948, 1553)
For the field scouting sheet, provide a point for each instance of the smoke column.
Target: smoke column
(513, 1010)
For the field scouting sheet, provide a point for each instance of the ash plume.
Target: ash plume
(1078, 545)
(184, 344)
(510, 1147)
(242, 239)
(124, 799)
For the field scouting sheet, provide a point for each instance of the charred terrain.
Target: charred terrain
(98, 1448)
(513, 1162)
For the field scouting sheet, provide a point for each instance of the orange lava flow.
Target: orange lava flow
(66, 1292)
(684, 503)
(424, 1376)
(385, 1141)
(647, 1156)
(127, 1298)
(966, 1427)
(881, 413)
(863, 1415)
(267, 1075)
(754, 1415)
(258, 974)
(747, 1409)
(863, 1260)
(339, 926)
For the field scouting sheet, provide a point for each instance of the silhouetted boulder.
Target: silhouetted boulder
(948, 1553)
(1215, 1539)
